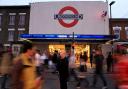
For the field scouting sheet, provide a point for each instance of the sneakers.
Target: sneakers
(105, 87)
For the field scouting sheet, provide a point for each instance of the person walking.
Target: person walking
(24, 75)
(38, 62)
(99, 69)
(92, 57)
(6, 64)
(83, 60)
(55, 60)
(72, 68)
(63, 69)
(121, 69)
(109, 62)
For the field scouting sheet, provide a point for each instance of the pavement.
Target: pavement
(51, 81)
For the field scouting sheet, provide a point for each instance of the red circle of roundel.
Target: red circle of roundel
(75, 21)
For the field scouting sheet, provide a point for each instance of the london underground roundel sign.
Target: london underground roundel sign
(75, 17)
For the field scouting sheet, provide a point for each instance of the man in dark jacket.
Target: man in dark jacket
(99, 68)
(109, 62)
(63, 70)
(55, 60)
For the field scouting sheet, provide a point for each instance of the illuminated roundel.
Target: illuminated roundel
(74, 17)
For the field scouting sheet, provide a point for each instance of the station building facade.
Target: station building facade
(59, 25)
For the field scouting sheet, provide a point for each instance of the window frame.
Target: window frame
(1, 21)
(11, 33)
(116, 30)
(12, 18)
(22, 17)
(20, 31)
(126, 31)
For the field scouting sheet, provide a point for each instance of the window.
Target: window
(22, 19)
(126, 31)
(116, 30)
(0, 21)
(11, 34)
(12, 18)
(16, 49)
(21, 31)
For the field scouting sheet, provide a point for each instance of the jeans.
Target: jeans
(3, 84)
(102, 78)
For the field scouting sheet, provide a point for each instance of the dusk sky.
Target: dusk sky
(119, 9)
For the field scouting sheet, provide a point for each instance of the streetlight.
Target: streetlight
(110, 4)
(73, 40)
(111, 8)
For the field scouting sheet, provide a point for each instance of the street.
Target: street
(51, 81)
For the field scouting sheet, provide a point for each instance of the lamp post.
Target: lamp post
(111, 8)
(111, 3)
(73, 42)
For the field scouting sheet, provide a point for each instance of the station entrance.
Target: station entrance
(78, 49)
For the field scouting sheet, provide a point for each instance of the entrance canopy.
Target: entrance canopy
(67, 37)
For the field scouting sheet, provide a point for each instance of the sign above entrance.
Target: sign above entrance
(64, 36)
(75, 17)
(80, 17)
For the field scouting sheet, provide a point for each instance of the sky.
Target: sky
(119, 8)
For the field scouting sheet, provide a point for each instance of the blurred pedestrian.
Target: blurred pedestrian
(6, 64)
(92, 58)
(99, 69)
(43, 57)
(47, 53)
(24, 74)
(37, 61)
(63, 69)
(121, 70)
(109, 62)
(83, 60)
(55, 60)
(72, 68)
